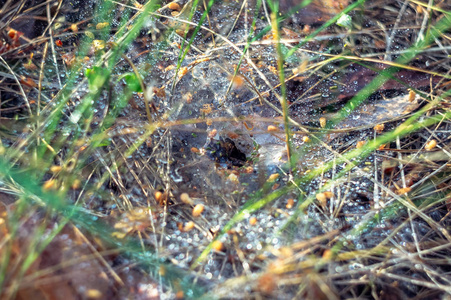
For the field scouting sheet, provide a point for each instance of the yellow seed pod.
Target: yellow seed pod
(197, 210)
(403, 191)
(412, 95)
(360, 144)
(329, 194)
(158, 196)
(102, 25)
(185, 198)
(290, 203)
(217, 246)
(188, 226)
(76, 184)
(248, 170)
(98, 45)
(174, 6)
(328, 254)
(233, 178)
(322, 122)
(55, 169)
(188, 97)
(420, 9)
(74, 27)
(430, 145)
(49, 185)
(273, 177)
(183, 71)
(93, 294)
(212, 133)
(379, 128)
(322, 199)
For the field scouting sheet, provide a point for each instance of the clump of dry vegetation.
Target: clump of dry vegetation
(225, 149)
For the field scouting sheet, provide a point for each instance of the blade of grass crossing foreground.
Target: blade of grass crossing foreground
(31, 191)
(6, 243)
(35, 248)
(281, 71)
